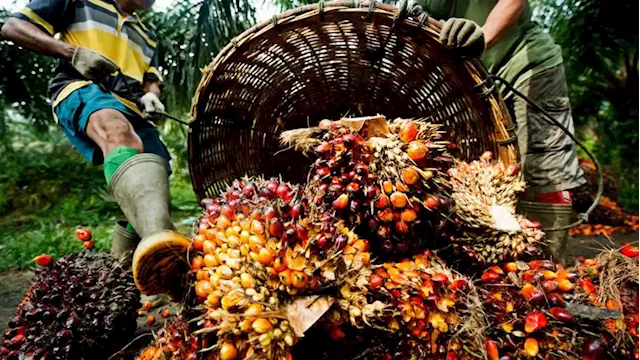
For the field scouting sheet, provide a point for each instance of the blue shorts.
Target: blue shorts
(73, 115)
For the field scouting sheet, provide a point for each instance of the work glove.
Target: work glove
(92, 65)
(464, 36)
(153, 107)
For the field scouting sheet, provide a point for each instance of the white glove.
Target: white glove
(153, 107)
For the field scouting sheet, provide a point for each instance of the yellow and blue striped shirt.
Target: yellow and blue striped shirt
(99, 26)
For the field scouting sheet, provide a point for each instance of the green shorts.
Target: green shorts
(73, 115)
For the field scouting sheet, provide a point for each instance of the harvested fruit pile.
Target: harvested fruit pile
(264, 246)
(79, 306)
(608, 218)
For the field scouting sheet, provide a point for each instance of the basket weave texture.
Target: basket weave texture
(326, 61)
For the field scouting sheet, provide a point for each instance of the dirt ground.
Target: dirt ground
(14, 284)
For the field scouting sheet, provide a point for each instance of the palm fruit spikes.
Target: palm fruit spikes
(540, 308)
(254, 252)
(82, 305)
(419, 298)
(388, 179)
(485, 193)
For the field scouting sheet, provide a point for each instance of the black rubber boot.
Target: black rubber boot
(141, 188)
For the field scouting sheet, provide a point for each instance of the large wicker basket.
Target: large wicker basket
(325, 61)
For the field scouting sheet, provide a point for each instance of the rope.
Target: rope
(582, 217)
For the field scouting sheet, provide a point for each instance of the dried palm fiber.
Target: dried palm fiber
(488, 229)
(342, 58)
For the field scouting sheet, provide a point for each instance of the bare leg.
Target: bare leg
(109, 129)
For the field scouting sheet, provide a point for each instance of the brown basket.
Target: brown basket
(325, 61)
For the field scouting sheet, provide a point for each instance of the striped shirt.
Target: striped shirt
(99, 26)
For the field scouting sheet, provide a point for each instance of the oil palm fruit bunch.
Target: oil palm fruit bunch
(78, 307)
(386, 178)
(419, 300)
(173, 342)
(541, 309)
(488, 230)
(254, 252)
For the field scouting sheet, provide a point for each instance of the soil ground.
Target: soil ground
(13, 284)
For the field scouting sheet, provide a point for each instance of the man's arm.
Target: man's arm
(152, 87)
(501, 19)
(31, 37)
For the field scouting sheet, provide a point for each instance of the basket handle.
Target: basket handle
(582, 217)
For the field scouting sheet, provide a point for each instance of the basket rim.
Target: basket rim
(504, 128)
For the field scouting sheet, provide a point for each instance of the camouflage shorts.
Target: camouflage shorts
(548, 155)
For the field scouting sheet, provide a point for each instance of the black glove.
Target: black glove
(464, 36)
(92, 65)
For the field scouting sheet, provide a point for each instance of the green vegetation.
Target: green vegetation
(47, 189)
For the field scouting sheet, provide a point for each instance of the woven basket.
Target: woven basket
(325, 61)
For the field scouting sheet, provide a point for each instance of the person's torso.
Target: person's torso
(97, 25)
(523, 48)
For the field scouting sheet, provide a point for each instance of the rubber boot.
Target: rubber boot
(550, 216)
(123, 241)
(141, 188)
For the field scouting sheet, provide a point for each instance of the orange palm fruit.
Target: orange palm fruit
(417, 150)
(228, 351)
(408, 131)
(410, 176)
(210, 260)
(299, 279)
(285, 277)
(261, 325)
(531, 347)
(198, 241)
(492, 350)
(196, 263)
(534, 321)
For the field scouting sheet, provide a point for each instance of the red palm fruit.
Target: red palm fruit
(534, 321)
(382, 201)
(89, 244)
(43, 260)
(531, 347)
(375, 281)
(417, 150)
(151, 320)
(511, 267)
(496, 269)
(459, 285)
(561, 314)
(565, 285)
(198, 241)
(299, 279)
(408, 131)
(593, 350)
(297, 211)
(530, 292)
(402, 187)
(487, 155)
(323, 148)
(492, 350)
(196, 263)
(440, 278)
(629, 251)
(398, 199)
(410, 176)
(83, 234)
(489, 277)
(387, 187)
(335, 333)
(587, 286)
(385, 215)
(555, 299)
(283, 190)
(322, 172)
(549, 285)
(341, 202)
(165, 313)
(402, 227)
(276, 228)
(431, 202)
(352, 187)
(408, 215)
(548, 274)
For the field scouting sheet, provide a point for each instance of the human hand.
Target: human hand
(92, 65)
(153, 107)
(464, 36)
